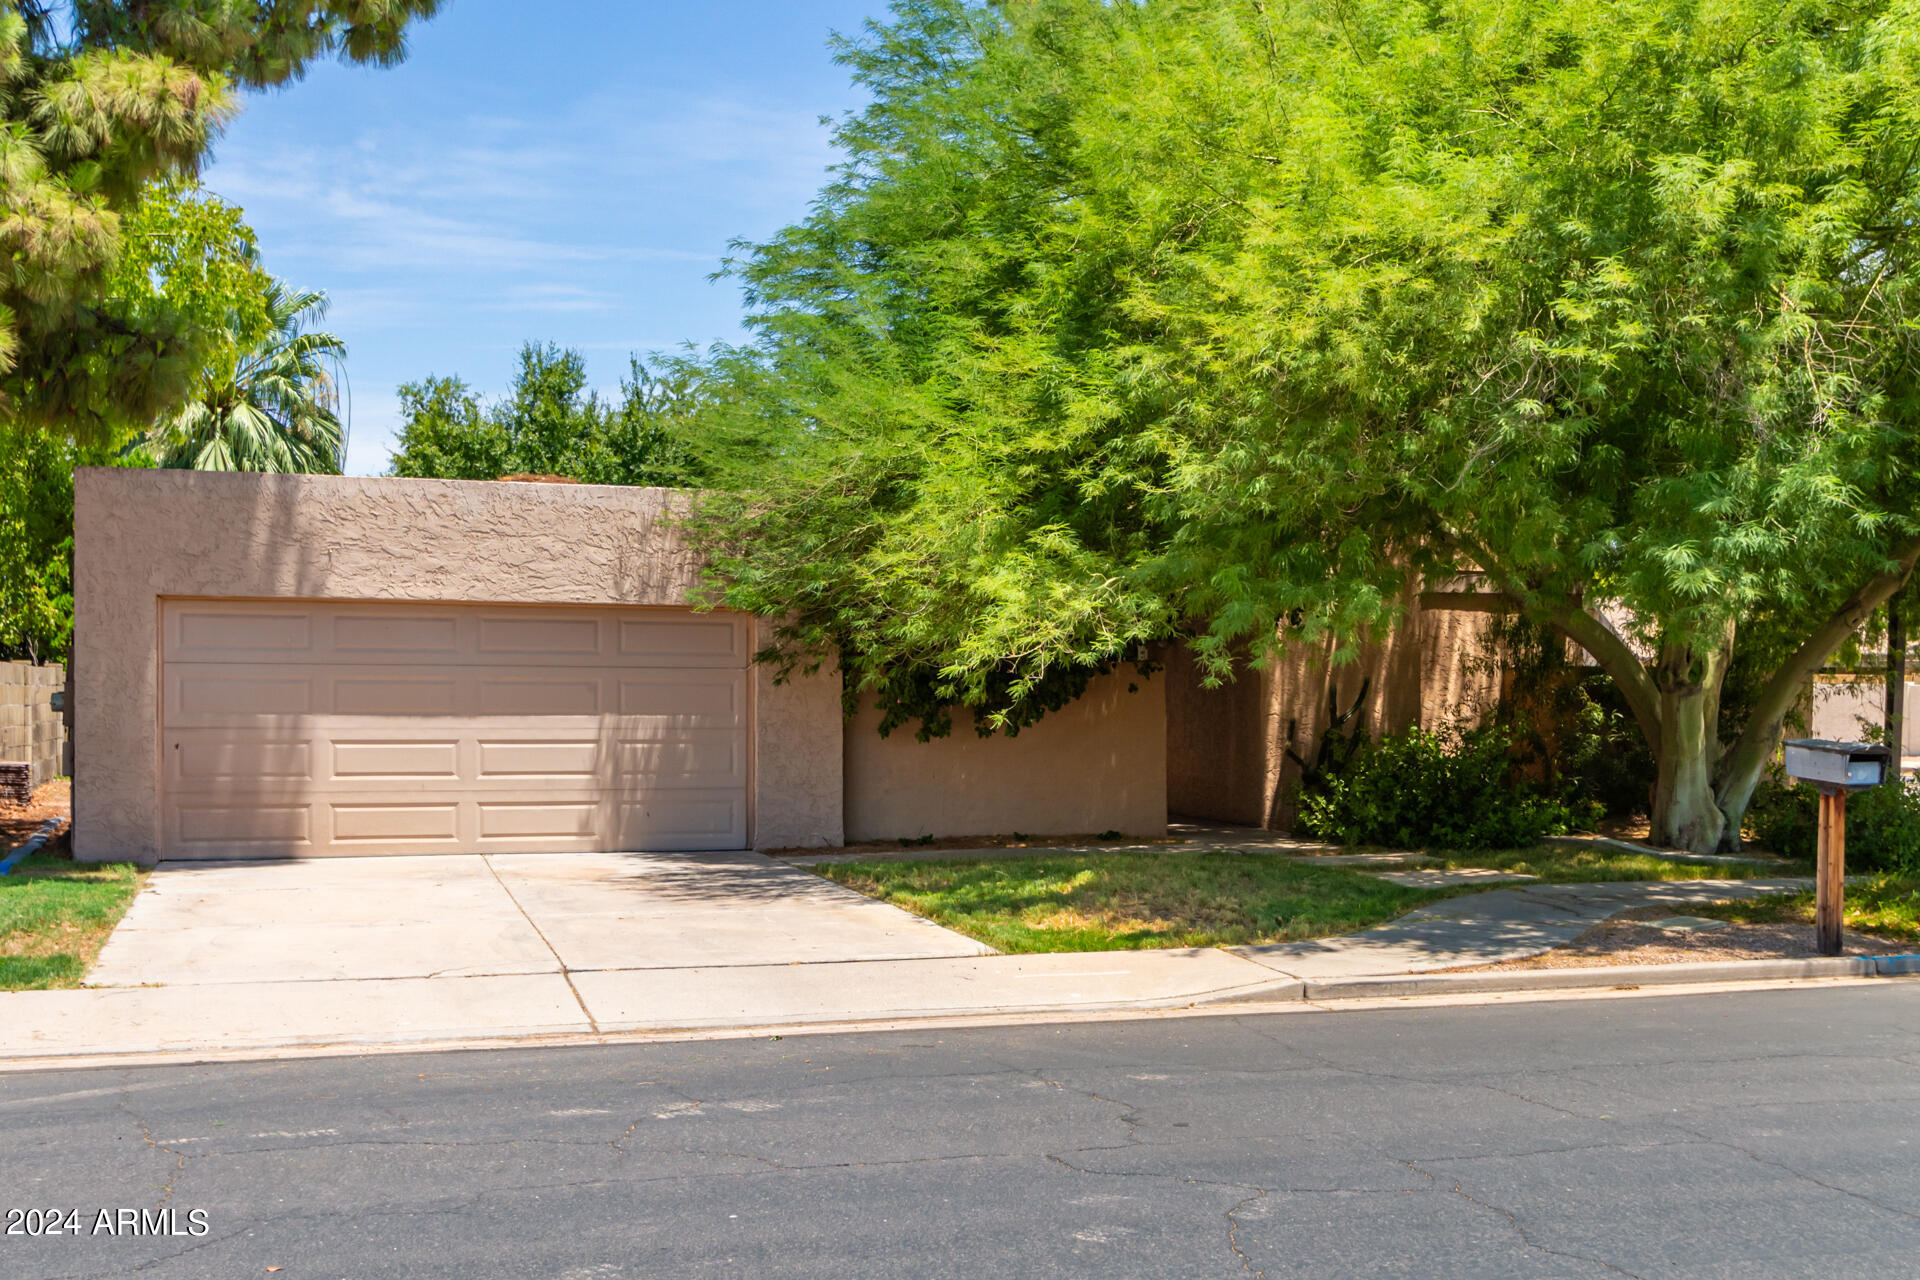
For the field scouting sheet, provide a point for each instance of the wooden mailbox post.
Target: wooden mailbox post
(1835, 768)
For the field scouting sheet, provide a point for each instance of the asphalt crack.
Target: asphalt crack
(1233, 1235)
(1788, 1169)
(1519, 1229)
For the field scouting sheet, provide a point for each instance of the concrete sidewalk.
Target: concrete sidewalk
(226, 1010)
(1491, 927)
(252, 1015)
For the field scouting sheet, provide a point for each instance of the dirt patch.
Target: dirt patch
(1631, 828)
(1628, 939)
(18, 821)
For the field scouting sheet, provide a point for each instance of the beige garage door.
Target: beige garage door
(301, 729)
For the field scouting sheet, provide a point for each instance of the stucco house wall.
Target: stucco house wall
(1097, 764)
(1227, 747)
(142, 536)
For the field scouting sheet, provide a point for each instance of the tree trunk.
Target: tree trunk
(1685, 813)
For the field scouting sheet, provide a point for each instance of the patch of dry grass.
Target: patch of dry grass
(1885, 906)
(1120, 901)
(55, 915)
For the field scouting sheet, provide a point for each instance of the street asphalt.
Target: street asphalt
(1755, 1134)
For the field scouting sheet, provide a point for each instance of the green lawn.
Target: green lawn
(1124, 901)
(1886, 906)
(54, 916)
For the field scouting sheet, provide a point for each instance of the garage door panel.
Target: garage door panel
(694, 641)
(715, 820)
(517, 636)
(283, 825)
(690, 820)
(303, 729)
(216, 633)
(387, 823)
(456, 635)
(209, 696)
(543, 818)
(222, 762)
(384, 637)
(390, 695)
(693, 699)
(362, 761)
(524, 696)
(719, 762)
(231, 763)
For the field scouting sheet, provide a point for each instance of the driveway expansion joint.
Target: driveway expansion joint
(565, 973)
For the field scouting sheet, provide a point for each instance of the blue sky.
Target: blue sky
(565, 172)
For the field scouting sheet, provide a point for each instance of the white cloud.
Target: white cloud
(583, 189)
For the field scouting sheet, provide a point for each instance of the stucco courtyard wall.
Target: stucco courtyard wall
(144, 536)
(1227, 747)
(1097, 764)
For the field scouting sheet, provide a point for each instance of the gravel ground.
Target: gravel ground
(50, 800)
(1627, 939)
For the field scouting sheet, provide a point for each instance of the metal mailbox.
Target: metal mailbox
(1852, 766)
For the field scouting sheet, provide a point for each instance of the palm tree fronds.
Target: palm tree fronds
(278, 410)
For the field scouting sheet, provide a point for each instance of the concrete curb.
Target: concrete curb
(1283, 995)
(1639, 975)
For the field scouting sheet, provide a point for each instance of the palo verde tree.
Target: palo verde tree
(100, 99)
(1243, 320)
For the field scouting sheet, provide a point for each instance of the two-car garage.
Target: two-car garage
(315, 728)
(272, 666)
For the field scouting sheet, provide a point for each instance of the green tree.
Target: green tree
(185, 252)
(102, 98)
(550, 423)
(269, 406)
(36, 538)
(1127, 320)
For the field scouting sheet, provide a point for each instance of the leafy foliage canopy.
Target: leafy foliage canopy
(100, 100)
(1128, 320)
(550, 423)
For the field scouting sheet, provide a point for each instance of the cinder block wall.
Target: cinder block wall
(30, 729)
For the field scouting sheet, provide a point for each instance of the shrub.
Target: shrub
(1450, 790)
(1883, 824)
(1573, 734)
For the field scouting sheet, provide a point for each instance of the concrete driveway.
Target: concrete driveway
(491, 915)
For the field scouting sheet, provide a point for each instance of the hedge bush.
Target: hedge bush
(1883, 824)
(1454, 789)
